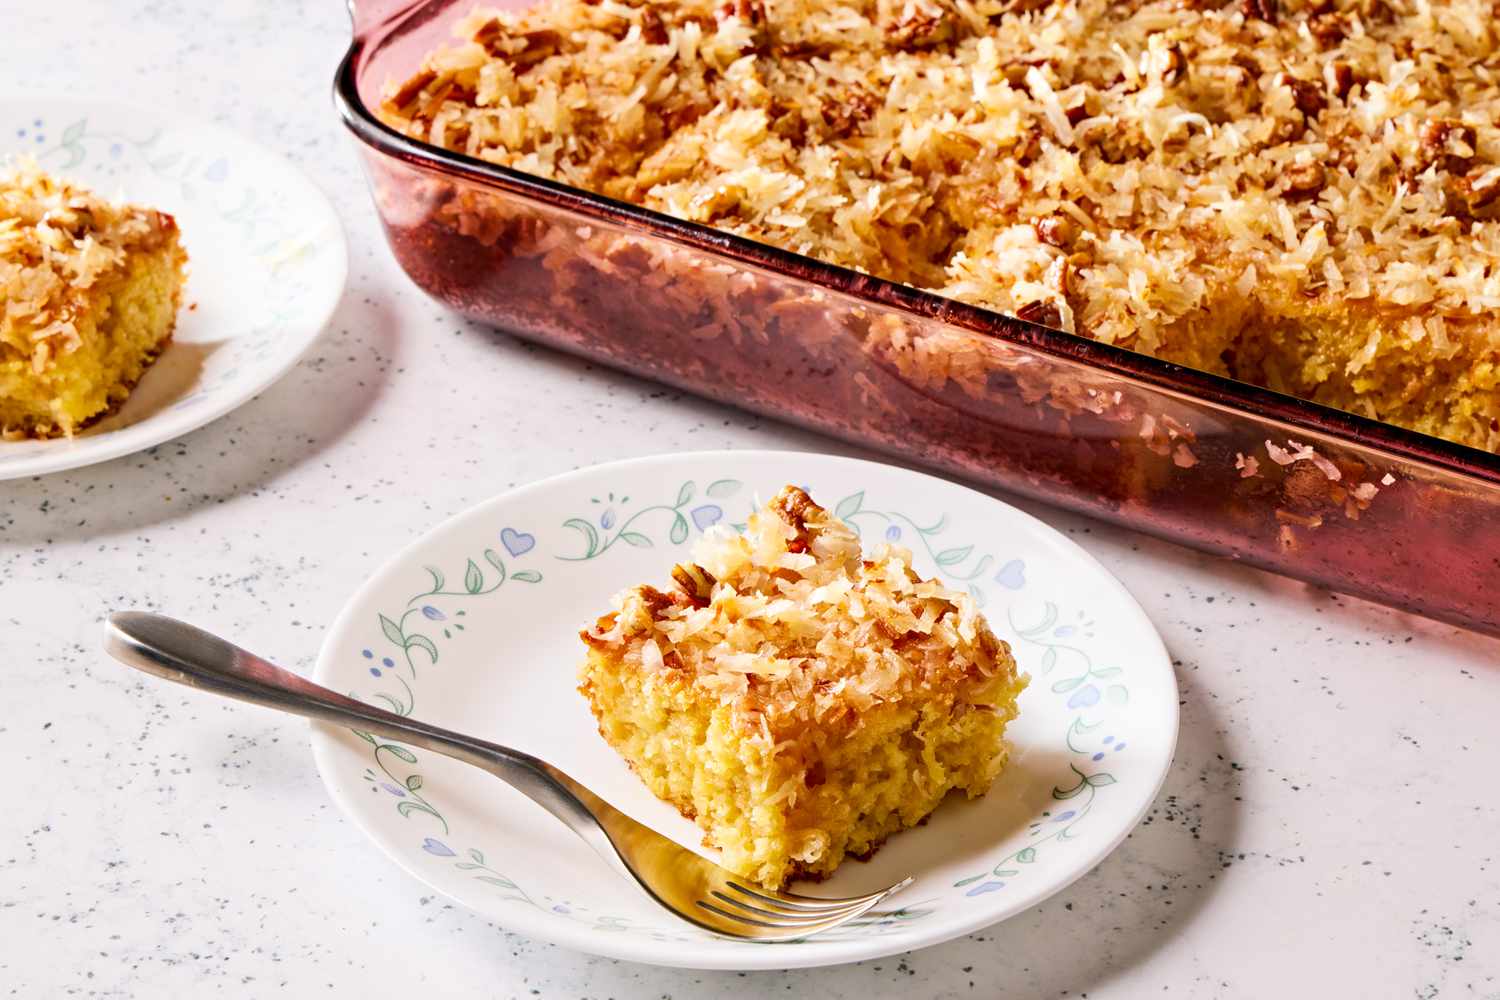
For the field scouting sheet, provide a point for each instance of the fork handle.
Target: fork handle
(177, 651)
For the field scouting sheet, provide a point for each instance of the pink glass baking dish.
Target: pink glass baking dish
(1324, 496)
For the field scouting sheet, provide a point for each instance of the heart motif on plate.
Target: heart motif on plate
(517, 543)
(707, 516)
(1012, 575)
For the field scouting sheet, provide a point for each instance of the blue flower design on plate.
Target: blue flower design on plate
(1084, 697)
(1012, 575)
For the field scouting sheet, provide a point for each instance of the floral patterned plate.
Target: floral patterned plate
(266, 269)
(475, 627)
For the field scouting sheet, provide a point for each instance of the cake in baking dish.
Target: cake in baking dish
(1303, 194)
(799, 700)
(89, 291)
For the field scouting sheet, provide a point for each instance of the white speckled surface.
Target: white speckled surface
(1329, 827)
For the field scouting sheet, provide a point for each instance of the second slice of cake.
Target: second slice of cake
(89, 290)
(799, 701)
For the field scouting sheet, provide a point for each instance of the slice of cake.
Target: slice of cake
(88, 297)
(800, 702)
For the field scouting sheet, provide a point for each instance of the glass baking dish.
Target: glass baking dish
(1328, 497)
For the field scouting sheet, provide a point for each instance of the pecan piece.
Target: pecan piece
(793, 505)
(1328, 29)
(1261, 10)
(1054, 230)
(1304, 180)
(694, 581)
(921, 24)
(1343, 79)
(653, 31)
(488, 32)
(1040, 312)
(845, 115)
(1480, 192)
(655, 601)
(411, 88)
(1448, 143)
(524, 49)
(1308, 96)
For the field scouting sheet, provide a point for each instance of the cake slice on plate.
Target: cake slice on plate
(798, 700)
(89, 291)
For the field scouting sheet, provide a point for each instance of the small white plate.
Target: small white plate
(266, 262)
(475, 627)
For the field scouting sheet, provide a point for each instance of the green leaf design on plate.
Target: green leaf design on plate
(423, 643)
(477, 855)
(437, 578)
(528, 576)
(949, 557)
(1064, 686)
(407, 808)
(414, 781)
(1100, 780)
(392, 631)
(721, 488)
(1106, 672)
(399, 752)
(679, 531)
(587, 530)
(493, 558)
(503, 883)
(473, 578)
(1049, 659)
(1026, 855)
(74, 132)
(1116, 694)
(363, 735)
(686, 493)
(635, 538)
(396, 706)
(849, 506)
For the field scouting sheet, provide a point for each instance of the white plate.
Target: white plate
(475, 627)
(267, 262)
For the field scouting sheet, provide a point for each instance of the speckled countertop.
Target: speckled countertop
(1329, 828)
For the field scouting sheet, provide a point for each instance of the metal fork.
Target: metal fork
(690, 887)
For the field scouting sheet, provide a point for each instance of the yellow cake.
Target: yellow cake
(801, 702)
(89, 291)
(1303, 194)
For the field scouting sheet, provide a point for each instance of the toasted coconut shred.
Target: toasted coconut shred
(1301, 194)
